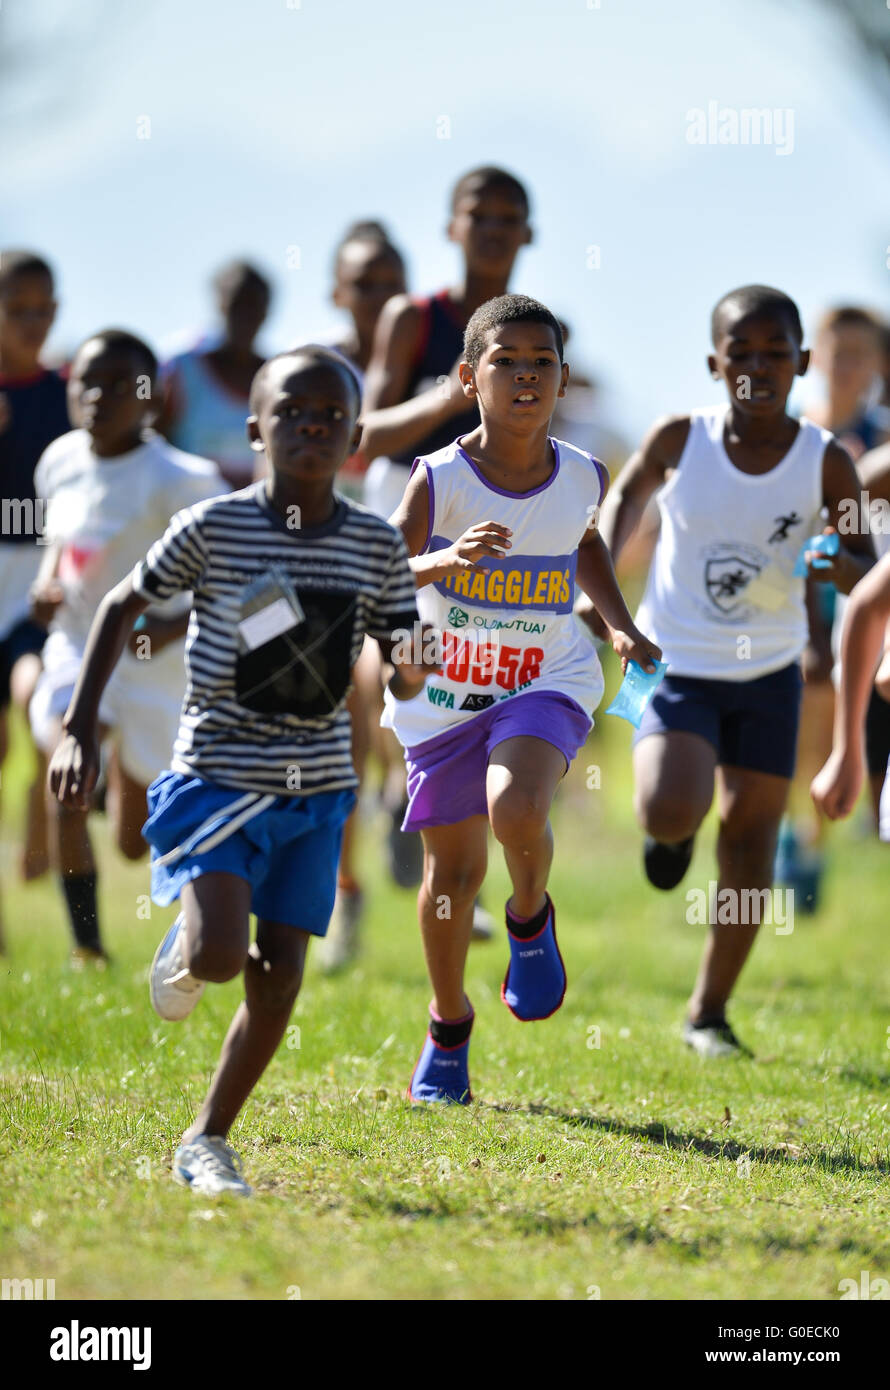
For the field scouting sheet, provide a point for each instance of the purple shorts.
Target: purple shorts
(446, 774)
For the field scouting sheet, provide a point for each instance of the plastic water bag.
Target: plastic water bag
(636, 691)
(825, 545)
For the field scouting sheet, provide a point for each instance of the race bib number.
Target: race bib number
(487, 663)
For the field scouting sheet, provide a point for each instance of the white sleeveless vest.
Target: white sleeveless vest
(721, 600)
(510, 629)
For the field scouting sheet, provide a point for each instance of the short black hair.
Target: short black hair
(490, 176)
(371, 231)
(317, 353)
(506, 308)
(241, 272)
(14, 263)
(755, 299)
(119, 338)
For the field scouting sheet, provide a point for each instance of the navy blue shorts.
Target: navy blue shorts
(23, 640)
(286, 847)
(751, 724)
(877, 735)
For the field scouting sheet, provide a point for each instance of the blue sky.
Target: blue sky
(273, 124)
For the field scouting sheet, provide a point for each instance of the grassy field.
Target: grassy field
(601, 1159)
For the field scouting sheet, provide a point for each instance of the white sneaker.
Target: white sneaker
(341, 944)
(483, 923)
(174, 992)
(714, 1040)
(210, 1166)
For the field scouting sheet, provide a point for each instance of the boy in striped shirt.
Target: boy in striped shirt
(287, 578)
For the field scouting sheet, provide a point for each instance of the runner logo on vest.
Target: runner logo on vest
(783, 525)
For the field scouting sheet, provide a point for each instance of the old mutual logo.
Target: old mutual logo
(458, 618)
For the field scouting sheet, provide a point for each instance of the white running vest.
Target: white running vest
(720, 600)
(510, 629)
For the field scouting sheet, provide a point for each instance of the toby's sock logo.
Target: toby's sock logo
(76, 1343)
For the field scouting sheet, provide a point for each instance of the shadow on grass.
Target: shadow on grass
(864, 1076)
(659, 1133)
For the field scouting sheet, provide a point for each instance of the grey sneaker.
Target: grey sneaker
(208, 1165)
(341, 944)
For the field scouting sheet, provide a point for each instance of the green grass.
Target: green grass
(630, 1167)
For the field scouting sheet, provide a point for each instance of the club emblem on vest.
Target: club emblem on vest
(726, 579)
(783, 525)
(457, 617)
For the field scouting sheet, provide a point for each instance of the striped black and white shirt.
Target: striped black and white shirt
(278, 620)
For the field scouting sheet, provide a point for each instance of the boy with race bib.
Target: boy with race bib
(491, 735)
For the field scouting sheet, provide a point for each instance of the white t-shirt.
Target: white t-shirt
(105, 513)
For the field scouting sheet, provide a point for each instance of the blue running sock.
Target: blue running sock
(535, 983)
(442, 1073)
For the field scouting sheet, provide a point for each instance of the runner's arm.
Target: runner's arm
(856, 555)
(874, 472)
(596, 576)
(390, 423)
(836, 787)
(641, 476)
(75, 763)
(486, 538)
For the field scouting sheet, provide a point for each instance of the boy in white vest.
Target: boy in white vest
(739, 487)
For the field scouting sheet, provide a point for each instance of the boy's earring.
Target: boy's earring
(257, 445)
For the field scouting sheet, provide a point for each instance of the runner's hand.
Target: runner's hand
(44, 600)
(835, 789)
(487, 538)
(633, 646)
(74, 771)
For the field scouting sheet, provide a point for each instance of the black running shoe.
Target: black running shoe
(665, 865)
(714, 1038)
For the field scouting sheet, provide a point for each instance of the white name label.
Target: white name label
(267, 623)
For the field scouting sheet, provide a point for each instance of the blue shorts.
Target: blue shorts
(286, 847)
(751, 724)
